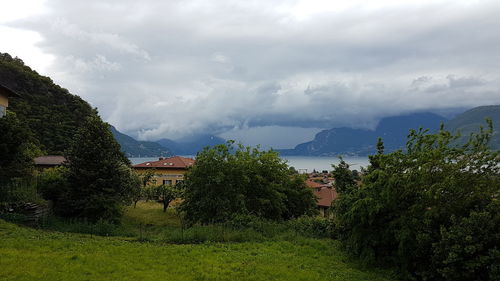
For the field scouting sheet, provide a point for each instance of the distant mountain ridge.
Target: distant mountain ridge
(190, 145)
(469, 122)
(347, 141)
(135, 148)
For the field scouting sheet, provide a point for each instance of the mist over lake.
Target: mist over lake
(301, 163)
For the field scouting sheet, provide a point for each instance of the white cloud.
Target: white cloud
(172, 68)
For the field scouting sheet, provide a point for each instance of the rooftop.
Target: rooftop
(50, 160)
(176, 162)
(9, 92)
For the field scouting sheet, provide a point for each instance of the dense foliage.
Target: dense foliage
(431, 210)
(226, 182)
(16, 147)
(99, 179)
(50, 112)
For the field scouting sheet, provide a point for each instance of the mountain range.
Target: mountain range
(190, 145)
(338, 141)
(394, 130)
(347, 141)
(134, 148)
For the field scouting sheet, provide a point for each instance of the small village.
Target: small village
(171, 171)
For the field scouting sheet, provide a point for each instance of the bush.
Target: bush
(318, 227)
(52, 183)
(431, 210)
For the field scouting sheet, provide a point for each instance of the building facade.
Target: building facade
(5, 93)
(169, 171)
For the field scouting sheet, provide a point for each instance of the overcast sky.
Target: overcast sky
(270, 72)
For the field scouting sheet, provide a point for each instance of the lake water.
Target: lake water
(301, 163)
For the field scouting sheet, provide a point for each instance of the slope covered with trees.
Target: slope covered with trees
(135, 148)
(50, 112)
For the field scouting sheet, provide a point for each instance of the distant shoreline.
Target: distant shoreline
(318, 163)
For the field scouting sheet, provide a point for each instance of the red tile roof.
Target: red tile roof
(50, 160)
(312, 184)
(176, 162)
(325, 196)
(325, 193)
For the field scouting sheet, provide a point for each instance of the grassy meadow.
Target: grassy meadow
(45, 254)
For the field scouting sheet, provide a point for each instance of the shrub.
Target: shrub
(430, 210)
(318, 227)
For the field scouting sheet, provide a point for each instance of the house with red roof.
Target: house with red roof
(168, 171)
(325, 193)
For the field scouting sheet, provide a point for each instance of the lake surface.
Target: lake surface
(301, 163)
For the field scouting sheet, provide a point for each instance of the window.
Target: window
(167, 182)
(3, 111)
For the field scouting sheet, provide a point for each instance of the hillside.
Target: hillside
(51, 112)
(190, 145)
(348, 141)
(469, 122)
(134, 148)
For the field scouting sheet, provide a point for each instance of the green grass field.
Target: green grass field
(30, 254)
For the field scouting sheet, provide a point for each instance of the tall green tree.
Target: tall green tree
(17, 149)
(227, 181)
(100, 180)
(344, 177)
(431, 210)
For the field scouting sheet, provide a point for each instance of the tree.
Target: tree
(140, 191)
(431, 210)
(344, 177)
(227, 181)
(100, 180)
(165, 194)
(17, 149)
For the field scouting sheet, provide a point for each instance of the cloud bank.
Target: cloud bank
(173, 68)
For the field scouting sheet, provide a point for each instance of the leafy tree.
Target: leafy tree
(344, 177)
(165, 194)
(226, 182)
(100, 180)
(431, 210)
(17, 149)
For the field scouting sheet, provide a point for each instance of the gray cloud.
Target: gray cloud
(173, 68)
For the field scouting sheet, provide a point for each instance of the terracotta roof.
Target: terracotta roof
(8, 91)
(325, 192)
(176, 162)
(325, 196)
(312, 184)
(50, 160)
